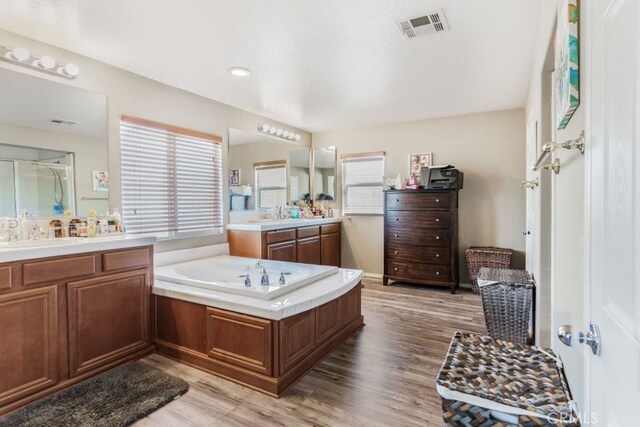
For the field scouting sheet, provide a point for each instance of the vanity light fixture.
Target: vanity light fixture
(239, 71)
(45, 63)
(279, 132)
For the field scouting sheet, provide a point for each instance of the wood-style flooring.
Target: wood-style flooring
(384, 375)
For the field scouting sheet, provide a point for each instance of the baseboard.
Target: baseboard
(372, 275)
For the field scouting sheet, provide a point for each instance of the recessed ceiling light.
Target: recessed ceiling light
(239, 71)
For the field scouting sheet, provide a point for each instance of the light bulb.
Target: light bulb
(273, 130)
(297, 137)
(45, 62)
(285, 134)
(279, 132)
(71, 70)
(20, 54)
(265, 128)
(239, 71)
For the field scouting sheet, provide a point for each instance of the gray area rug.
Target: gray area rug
(118, 397)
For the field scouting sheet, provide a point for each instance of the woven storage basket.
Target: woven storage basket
(487, 382)
(478, 257)
(507, 302)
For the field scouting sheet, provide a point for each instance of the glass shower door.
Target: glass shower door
(45, 189)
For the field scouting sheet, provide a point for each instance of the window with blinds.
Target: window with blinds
(171, 179)
(271, 184)
(362, 176)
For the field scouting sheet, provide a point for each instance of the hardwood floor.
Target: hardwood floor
(384, 375)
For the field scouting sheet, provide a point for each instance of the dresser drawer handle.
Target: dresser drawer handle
(437, 237)
(437, 255)
(395, 252)
(437, 200)
(437, 219)
(395, 269)
(397, 200)
(395, 235)
(397, 219)
(437, 273)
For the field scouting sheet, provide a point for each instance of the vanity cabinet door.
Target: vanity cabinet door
(108, 319)
(330, 249)
(285, 251)
(28, 343)
(309, 250)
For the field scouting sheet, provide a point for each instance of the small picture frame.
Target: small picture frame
(234, 176)
(419, 161)
(100, 181)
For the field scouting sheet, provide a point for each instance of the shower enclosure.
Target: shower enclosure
(43, 187)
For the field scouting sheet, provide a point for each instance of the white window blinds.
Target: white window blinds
(271, 184)
(362, 176)
(171, 178)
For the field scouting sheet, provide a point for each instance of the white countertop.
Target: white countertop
(266, 225)
(18, 251)
(297, 301)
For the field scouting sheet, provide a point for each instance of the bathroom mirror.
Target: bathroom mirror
(264, 171)
(53, 147)
(324, 173)
(299, 180)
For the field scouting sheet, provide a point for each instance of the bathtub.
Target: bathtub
(225, 274)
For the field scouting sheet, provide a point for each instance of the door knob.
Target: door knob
(564, 335)
(591, 338)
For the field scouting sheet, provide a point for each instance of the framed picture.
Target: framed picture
(100, 180)
(234, 176)
(567, 62)
(419, 161)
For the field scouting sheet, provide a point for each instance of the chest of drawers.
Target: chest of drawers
(421, 237)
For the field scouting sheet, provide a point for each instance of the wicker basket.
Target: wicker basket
(478, 257)
(487, 382)
(507, 311)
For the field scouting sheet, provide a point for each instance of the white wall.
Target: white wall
(131, 94)
(488, 147)
(562, 302)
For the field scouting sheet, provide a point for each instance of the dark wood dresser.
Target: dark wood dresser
(421, 237)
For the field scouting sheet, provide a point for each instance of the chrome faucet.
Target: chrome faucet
(283, 281)
(264, 281)
(247, 280)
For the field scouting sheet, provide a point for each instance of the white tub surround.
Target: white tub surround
(32, 249)
(288, 304)
(244, 276)
(268, 225)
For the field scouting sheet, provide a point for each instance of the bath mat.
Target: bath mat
(117, 397)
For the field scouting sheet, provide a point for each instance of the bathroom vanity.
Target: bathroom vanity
(70, 310)
(211, 320)
(309, 241)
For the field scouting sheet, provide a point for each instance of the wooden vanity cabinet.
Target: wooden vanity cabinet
(64, 319)
(318, 244)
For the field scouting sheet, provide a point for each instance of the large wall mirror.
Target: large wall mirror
(324, 173)
(53, 147)
(266, 171)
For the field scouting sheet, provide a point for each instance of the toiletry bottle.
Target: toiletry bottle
(91, 226)
(118, 219)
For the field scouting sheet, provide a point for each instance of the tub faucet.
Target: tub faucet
(283, 281)
(247, 280)
(265, 278)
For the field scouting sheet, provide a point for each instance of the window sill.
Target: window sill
(168, 236)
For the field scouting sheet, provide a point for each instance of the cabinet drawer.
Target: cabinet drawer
(281, 235)
(422, 254)
(409, 200)
(427, 219)
(418, 236)
(308, 232)
(125, 259)
(6, 277)
(51, 271)
(430, 272)
(330, 228)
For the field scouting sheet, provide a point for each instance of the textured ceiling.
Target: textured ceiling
(317, 65)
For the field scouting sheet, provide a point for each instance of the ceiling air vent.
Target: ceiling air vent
(430, 23)
(63, 122)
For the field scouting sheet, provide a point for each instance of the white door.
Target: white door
(613, 172)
